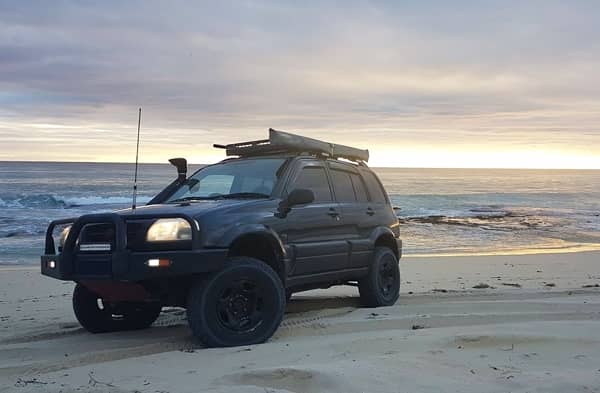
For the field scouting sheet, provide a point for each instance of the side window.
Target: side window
(377, 195)
(342, 185)
(359, 188)
(315, 179)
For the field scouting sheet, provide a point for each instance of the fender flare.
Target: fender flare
(253, 229)
(385, 231)
(281, 263)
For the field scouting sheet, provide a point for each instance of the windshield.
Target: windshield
(249, 178)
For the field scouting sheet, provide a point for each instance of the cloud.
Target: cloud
(446, 74)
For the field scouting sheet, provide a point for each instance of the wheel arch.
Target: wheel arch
(262, 244)
(384, 237)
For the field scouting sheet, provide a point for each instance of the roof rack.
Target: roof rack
(284, 142)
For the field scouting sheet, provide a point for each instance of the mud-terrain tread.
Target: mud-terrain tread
(369, 291)
(196, 318)
(142, 315)
(89, 316)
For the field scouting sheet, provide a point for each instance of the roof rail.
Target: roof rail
(285, 142)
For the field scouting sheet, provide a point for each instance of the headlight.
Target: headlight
(169, 229)
(63, 236)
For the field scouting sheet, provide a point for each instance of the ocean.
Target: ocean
(442, 211)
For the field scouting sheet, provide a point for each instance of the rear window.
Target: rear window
(359, 188)
(315, 179)
(342, 185)
(375, 190)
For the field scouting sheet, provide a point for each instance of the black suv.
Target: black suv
(234, 241)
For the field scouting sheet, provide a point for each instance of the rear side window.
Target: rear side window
(375, 190)
(359, 188)
(315, 179)
(342, 185)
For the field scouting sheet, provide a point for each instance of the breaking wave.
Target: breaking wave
(49, 201)
(114, 200)
(34, 201)
(21, 232)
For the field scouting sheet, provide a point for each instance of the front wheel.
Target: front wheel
(381, 287)
(98, 316)
(242, 304)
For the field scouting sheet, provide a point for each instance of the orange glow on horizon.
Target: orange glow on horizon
(407, 157)
(419, 157)
(404, 150)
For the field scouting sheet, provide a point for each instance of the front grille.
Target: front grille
(94, 245)
(94, 234)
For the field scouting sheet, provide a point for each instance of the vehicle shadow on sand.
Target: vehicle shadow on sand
(300, 304)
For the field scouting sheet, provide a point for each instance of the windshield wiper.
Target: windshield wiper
(222, 196)
(242, 195)
(191, 198)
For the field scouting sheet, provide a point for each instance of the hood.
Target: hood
(192, 208)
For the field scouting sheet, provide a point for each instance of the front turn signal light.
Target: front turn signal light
(158, 262)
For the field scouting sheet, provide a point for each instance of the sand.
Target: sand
(535, 327)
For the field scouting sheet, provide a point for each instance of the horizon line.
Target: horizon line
(383, 167)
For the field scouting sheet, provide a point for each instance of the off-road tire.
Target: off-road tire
(381, 287)
(241, 304)
(110, 318)
(141, 315)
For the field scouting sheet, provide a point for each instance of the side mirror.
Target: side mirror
(299, 196)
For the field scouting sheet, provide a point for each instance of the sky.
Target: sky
(496, 84)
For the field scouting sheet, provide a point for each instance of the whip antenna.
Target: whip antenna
(137, 150)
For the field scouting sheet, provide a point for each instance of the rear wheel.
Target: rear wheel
(381, 287)
(241, 304)
(98, 316)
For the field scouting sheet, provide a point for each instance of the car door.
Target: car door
(379, 208)
(314, 231)
(350, 192)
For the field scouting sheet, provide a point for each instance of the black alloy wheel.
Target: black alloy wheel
(241, 304)
(387, 275)
(381, 287)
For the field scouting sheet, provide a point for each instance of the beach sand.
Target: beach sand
(535, 327)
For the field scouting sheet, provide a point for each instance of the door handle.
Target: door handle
(370, 211)
(333, 213)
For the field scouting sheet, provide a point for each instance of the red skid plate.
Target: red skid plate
(117, 291)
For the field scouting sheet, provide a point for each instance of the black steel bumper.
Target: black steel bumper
(120, 263)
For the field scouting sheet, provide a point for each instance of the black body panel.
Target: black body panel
(319, 243)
